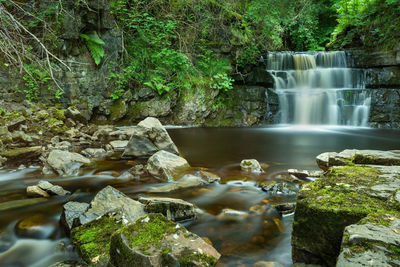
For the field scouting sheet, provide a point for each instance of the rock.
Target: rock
(280, 188)
(353, 156)
(20, 203)
(108, 200)
(66, 163)
(22, 154)
(72, 211)
(4, 130)
(137, 170)
(14, 124)
(103, 133)
(267, 264)
(166, 166)
(123, 134)
(209, 176)
(285, 208)
(251, 165)
(77, 115)
(155, 241)
(343, 197)
(52, 189)
(230, 215)
(303, 174)
(68, 264)
(150, 136)
(92, 240)
(64, 145)
(172, 208)
(119, 144)
(187, 181)
(94, 152)
(371, 244)
(35, 191)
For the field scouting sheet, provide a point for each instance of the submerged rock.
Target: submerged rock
(150, 136)
(66, 163)
(251, 165)
(172, 208)
(230, 215)
(155, 241)
(166, 166)
(187, 181)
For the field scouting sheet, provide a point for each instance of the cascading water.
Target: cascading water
(318, 88)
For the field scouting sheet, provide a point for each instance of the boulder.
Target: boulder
(155, 241)
(66, 163)
(373, 242)
(166, 165)
(251, 165)
(345, 195)
(187, 181)
(150, 136)
(110, 199)
(72, 211)
(172, 208)
(119, 144)
(77, 115)
(22, 154)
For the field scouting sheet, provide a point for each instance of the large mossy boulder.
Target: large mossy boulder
(150, 136)
(172, 208)
(344, 196)
(155, 241)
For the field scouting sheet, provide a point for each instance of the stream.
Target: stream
(30, 234)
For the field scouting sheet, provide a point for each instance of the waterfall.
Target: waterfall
(318, 88)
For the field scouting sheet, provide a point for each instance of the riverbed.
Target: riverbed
(31, 234)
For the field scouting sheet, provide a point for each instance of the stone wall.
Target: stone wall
(383, 79)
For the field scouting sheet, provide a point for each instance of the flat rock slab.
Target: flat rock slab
(110, 199)
(148, 138)
(354, 156)
(371, 243)
(172, 208)
(155, 241)
(166, 166)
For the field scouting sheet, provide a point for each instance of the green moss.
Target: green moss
(116, 109)
(57, 113)
(354, 175)
(199, 258)
(149, 231)
(93, 239)
(22, 152)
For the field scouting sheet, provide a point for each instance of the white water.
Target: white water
(318, 88)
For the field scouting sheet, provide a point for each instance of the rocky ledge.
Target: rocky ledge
(350, 216)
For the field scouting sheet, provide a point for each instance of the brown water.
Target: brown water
(31, 235)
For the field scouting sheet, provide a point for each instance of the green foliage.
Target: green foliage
(34, 77)
(95, 45)
(367, 23)
(222, 82)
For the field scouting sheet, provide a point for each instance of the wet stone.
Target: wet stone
(94, 152)
(36, 191)
(72, 211)
(280, 188)
(52, 189)
(251, 165)
(166, 165)
(66, 163)
(172, 208)
(230, 215)
(187, 181)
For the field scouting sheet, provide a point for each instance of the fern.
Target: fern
(95, 45)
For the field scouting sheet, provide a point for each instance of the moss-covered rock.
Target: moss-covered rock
(24, 153)
(344, 196)
(92, 240)
(155, 241)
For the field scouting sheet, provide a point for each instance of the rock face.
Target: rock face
(150, 136)
(166, 166)
(155, 241)
(172, 208)
(66, 163)
(251, 165)
(347, 195)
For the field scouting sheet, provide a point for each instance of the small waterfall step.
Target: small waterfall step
(318, 88)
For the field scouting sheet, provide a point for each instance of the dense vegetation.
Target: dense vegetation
(180, 45)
